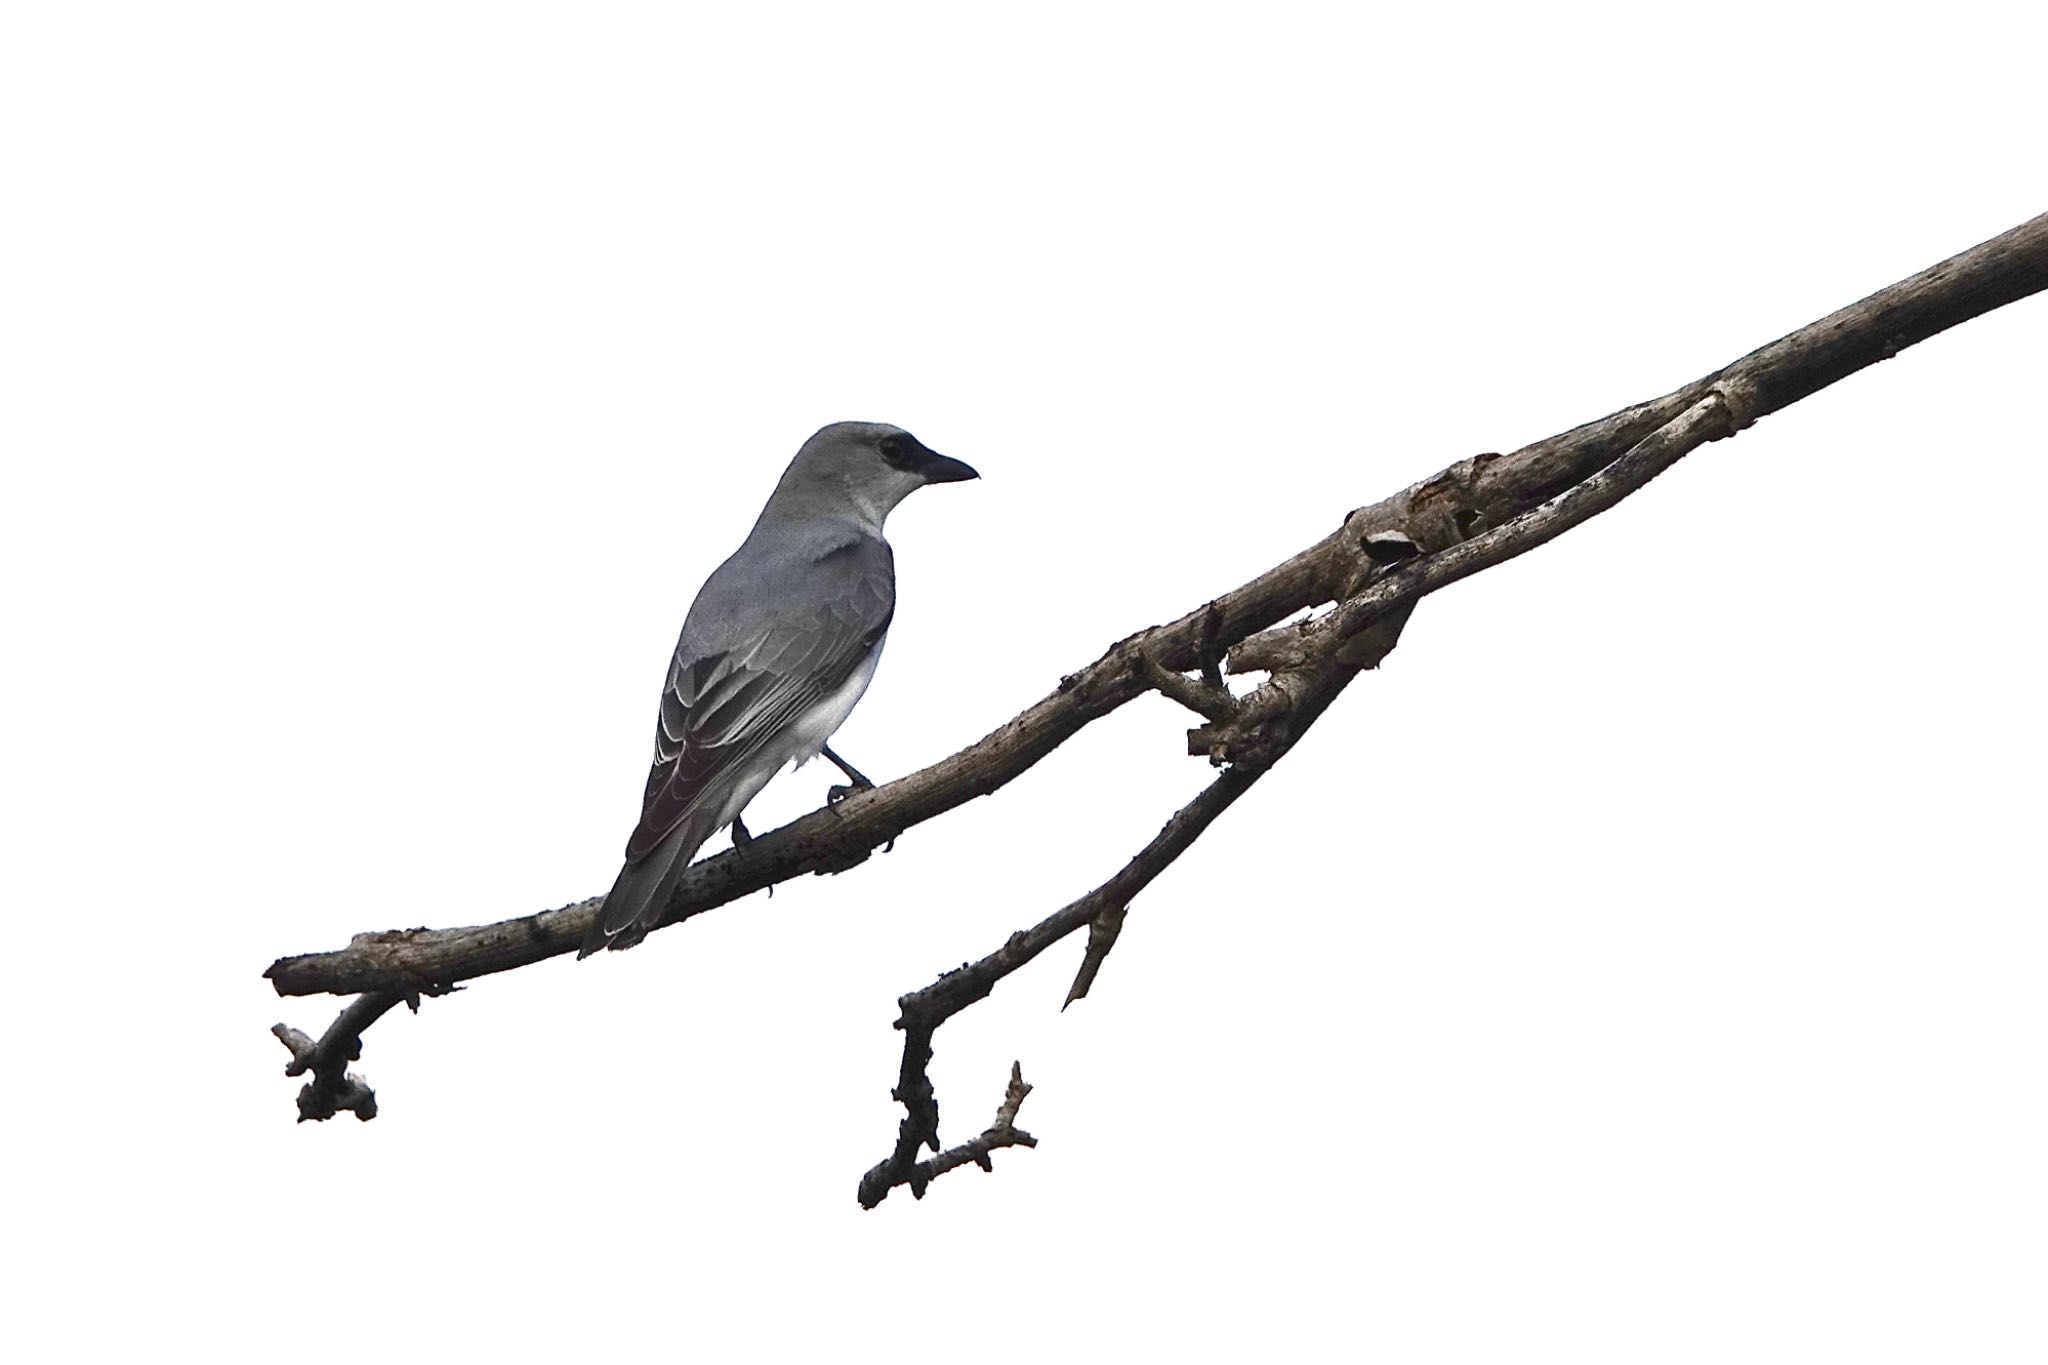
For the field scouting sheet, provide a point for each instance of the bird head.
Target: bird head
(872, 465)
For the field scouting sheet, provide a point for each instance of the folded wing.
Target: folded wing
(756, 654)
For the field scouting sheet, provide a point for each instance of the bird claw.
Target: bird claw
(741, 835)
(856, 781)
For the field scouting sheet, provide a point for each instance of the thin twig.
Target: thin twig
(1216, 703)
(1103, 931)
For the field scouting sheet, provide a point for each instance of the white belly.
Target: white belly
(802, 741)
(808, 733)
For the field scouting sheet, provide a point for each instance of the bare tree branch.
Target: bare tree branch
(1257, 734)
(1102, 936)
(923, 1011)
(1201, 696)
(334, 1087)
(1375, 567)
(1292, 648)
(1002, 1133)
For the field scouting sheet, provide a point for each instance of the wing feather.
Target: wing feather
(809, 621)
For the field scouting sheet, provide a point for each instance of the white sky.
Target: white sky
(1645, 965)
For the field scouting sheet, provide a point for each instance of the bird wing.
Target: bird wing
(768, 637)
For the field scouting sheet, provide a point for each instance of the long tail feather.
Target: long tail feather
(634, 904)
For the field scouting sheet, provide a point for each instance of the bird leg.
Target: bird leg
(856, 780)
(741, 837)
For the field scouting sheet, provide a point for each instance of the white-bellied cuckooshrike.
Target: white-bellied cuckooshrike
(778, 647)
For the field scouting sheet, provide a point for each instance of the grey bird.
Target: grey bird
(776, 651)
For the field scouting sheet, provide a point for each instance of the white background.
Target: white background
(1646, 964)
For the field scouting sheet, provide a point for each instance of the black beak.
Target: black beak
(938, 468)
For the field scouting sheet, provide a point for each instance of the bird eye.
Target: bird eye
(894, 449)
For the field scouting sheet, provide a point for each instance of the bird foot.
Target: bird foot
(845, 789)
(856, 781)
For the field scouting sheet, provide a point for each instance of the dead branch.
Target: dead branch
(1375, 568)
(1002, 1133)
(334, 1087)
(1258, 732)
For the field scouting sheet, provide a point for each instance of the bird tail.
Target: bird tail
(633, 906)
